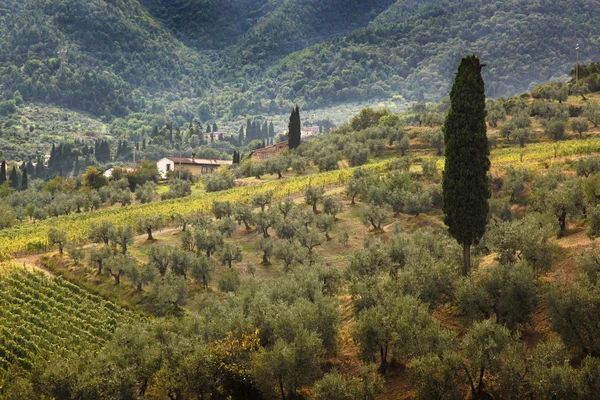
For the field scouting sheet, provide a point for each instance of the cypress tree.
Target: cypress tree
(215, 128)
(249, 130)
(30, 168)
(208, 128)
(271, 130)
(241, 134)
(39, 169)
(294, 128)
(465, 180)
(3, 172)
(14, 178)
(24, 180)
(265, 131)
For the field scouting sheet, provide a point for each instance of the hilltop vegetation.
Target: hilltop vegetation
(197, 59)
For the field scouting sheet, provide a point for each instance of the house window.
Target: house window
(168, 167)
(203, 170)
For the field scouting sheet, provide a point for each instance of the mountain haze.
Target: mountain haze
(220, 59)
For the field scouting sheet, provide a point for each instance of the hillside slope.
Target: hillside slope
(412, 50)
(112, 49)
(256, 57)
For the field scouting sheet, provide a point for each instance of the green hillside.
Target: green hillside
(409, 50)
(115, 53)
(218, 60)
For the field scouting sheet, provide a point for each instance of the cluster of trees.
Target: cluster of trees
(370, 133)
(398, 191)
(24, 200)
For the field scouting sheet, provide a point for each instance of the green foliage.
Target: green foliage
(56, 236)
(286, 367)
(398, 328)
(573, 314)
(465, 180)
(507, 292)
(333, 386)
(555, 129)
(229, 281)
(177, 188)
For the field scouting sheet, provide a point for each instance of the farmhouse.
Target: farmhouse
(309, 132)
(268, 152)
(195, 165)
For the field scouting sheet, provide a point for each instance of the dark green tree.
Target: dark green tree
(465, 181)
(294, 128)
(24, 183)
(3, 172)
(14, 178)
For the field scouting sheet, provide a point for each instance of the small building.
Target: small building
(309, 131)
(196, 166)
(268, 152)
(218, 136)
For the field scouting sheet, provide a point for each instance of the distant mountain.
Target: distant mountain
(412, 49)
(223, 58)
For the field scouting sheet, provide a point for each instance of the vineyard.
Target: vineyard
(41, 316)
(33, 237)
(540, 152)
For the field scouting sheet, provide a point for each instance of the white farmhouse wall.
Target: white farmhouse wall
(165, 165)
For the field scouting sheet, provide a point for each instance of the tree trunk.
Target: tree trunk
(383, 355)
(563, 221)
(265, 260)
(149, 231)
(466, 258)
(279, 175)
(315, 207)
(281, 389)
(247, 226)
(60, 248)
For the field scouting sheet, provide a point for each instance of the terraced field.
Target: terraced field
(41, 315)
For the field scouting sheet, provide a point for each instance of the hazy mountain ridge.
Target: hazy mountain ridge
(249, 57)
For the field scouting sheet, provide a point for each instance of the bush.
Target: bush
(229, 280)
(178, 188)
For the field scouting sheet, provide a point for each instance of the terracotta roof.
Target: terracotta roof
(199, 161)
(276, 146)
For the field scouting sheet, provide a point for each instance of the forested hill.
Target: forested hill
(220, 59)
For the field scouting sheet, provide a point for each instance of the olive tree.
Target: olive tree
(313, 195)
(150, 223)
(56, 236)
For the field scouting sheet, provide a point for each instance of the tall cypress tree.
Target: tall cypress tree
(3, 172)
(294, 128)
(271, 130)
(14, 178)
(249, 130)
(24, 180)
(265, 131)
(465, 181)
(241, 134)
(40, 173)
